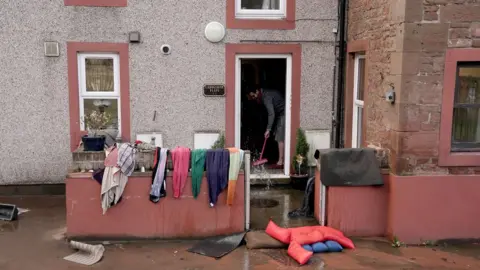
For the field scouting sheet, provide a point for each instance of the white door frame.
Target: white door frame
(288, 100)
(356, 102)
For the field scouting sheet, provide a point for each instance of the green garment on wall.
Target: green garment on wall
(198, 166)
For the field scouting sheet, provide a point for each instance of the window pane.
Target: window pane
(99, 75)
(359, 126)
(261, 4)
(466, 126)
(361, 78)
(108, 106)
(468, 82)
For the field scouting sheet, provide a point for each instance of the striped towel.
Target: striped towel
(126, 158)
(87, 254)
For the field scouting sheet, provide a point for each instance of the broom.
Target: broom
(261, 160)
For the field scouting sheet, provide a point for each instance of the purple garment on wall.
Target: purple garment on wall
(218, 163)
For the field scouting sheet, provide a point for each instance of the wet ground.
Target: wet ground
(36, 241)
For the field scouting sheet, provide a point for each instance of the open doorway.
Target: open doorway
(267, 75)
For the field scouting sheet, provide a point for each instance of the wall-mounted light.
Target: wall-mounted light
(214, 32)
(390, 95)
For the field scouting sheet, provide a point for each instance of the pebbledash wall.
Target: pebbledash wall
(413, 46)
(35, 119)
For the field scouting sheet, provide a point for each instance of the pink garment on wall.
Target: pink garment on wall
(111, 157)
(181, 163)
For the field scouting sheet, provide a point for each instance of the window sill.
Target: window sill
(264, 23)
(456, 159)
(96, 3)
(261, 18)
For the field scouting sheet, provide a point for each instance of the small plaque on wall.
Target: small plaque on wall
(214, 90)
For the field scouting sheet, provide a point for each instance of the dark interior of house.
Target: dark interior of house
(259, 73)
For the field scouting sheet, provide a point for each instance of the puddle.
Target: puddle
(8, 226)
(263, 203)
(287, 199)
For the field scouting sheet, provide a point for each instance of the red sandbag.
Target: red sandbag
(332, 231)
(307, 237)
(279, 233)
(342, 240)
(324, 229)
(298, 253)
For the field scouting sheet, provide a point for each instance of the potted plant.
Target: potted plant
(95, 122)
(220, 142)
(299, 177)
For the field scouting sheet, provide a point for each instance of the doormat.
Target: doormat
(87, 254)
(218, 247)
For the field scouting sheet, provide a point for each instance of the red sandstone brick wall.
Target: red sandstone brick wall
(372, 21)
(407, 44)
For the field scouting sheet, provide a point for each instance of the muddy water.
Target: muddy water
(285, 200)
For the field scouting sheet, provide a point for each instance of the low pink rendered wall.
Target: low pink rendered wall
(136, 217)
(356, 211)
(414, 209)
(434, 207)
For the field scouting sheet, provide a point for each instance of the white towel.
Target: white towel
(113, 185)
(87, 254)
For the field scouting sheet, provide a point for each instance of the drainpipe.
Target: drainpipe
(339, 118)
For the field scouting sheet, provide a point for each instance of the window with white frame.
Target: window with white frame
(260, 9)
(358, 92)
(99, 85)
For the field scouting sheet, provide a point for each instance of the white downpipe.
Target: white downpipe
(247, 190)
(323, 197)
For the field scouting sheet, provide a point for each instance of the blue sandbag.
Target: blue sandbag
(308, 247)
(333, 246)
(319, 247)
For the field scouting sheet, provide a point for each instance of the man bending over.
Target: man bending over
(275, 105)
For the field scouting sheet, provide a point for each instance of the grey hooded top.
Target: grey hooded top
(275, 104)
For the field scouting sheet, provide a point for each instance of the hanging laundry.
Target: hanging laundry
(113, 182)
(110, 160)
(158, 188)
(236, 158)
(217, 173)
(98, 175)
(111, 157)
(181, 163)
(198, 167)
(126, 158)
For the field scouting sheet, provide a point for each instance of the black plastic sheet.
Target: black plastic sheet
(218, 247)
(350, 167)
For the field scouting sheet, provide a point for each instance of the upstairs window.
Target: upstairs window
(260, 9)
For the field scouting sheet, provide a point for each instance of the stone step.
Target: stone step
(273, 181)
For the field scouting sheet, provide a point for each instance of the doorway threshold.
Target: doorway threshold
(273, 179)
(271, 176)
